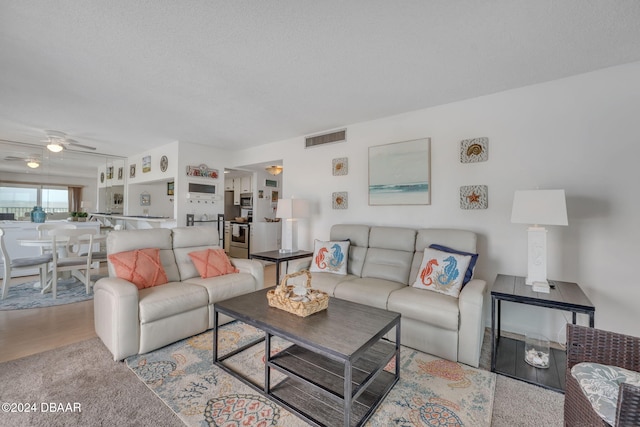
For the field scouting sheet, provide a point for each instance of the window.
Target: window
(20, 199)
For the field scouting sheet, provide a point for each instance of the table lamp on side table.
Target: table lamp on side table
(290, 210)
(539, 207)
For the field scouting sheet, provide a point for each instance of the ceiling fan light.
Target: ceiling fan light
(274, 169)
(33, 164)
(54, 147)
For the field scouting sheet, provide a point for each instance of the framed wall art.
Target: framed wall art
(146, 164)
(340, 200)
(474, 150)
(170, 186)
(340, 166)
(271, 183)
(145, 199)
(399, 173)
(110, 172)
(474, 197)
(120, 173)
(132, 171)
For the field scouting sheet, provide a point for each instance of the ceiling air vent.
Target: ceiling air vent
(326, 138)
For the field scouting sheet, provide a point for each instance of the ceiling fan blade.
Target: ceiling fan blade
(77, 144)
(12, 158)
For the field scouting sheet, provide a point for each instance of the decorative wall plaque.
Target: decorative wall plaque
(164, 163)
(474, 197)
(340, 166)
(474, 150)
(340, 200)
(203, 171)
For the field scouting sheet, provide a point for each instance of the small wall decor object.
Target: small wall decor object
(474, 197)
(474, 150)
(170, 186)
(271, 183)
(164, 163)
(101, 177)
(399, 173)
(340, 166)
(145, 199)
(146, 164)
(274, 196)
(340, 200)
(203, 171)
(120, 173)
(132, 171)
(110, 172)
(260, 194)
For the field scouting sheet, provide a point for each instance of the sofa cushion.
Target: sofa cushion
(191, 239)
(170, 299)
(212, 263)
(224, 287)
(330, 257)
(369, 291)
(142, 267)
(442, 272)
(388, 264)
(358, 237)
(325, 282)
(128, 240)
(436, 309)
(468, 275)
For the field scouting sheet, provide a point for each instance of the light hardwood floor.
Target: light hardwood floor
(27, 332)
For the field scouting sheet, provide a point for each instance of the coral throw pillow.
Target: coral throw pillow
(442, 272)
(212, 263)
(142, 267)
(330, 257)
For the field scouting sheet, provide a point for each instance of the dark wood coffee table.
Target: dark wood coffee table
(335, 367)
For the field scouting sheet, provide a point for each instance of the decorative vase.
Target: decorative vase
(536, 350)
(35, 208)
(39, 215)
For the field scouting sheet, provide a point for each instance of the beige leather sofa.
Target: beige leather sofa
(131, 321)
(383, 264)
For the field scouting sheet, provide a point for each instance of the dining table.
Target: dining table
(47, 243)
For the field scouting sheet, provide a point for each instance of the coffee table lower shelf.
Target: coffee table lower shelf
(316, 383)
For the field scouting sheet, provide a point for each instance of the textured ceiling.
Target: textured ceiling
(125, 76)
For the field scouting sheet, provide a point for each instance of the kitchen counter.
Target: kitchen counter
(135, 221)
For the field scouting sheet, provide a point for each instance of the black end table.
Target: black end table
(278, 257)
(509, 361)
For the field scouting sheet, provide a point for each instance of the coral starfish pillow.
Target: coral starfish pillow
(442, 272)
(212, 263)
(142, 267)
(330, 257)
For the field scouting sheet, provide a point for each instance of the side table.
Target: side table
(279, 257)
(509, 361)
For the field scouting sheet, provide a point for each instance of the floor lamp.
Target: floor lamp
(538, 207)
(290, 210)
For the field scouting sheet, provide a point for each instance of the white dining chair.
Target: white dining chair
(41, 262)
(43, 232)
(76, 259)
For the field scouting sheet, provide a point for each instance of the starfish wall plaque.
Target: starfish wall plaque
(474, 197)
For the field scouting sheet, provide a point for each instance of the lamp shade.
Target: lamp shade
(540, 207)
(292, 208)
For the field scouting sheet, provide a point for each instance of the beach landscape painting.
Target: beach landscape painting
(399, 173)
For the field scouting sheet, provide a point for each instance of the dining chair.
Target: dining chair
(41, 262)
(74, 258)
(43, 232)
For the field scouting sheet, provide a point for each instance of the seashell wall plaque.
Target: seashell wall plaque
(474, 150)
(340, 200)
(474, 197)
(340, 166)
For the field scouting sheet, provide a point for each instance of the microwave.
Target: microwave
(246, 200)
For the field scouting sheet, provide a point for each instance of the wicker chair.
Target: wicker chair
(608, 348)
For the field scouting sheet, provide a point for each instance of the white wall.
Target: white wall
(580, 134)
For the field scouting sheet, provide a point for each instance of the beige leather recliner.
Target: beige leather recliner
(131, 321)
(382, 266)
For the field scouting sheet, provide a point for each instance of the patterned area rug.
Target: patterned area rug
(27, 295)
(431, 391)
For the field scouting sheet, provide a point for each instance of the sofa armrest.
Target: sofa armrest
(116, 316)
(471, 333)
(253, 267)
(299, 265)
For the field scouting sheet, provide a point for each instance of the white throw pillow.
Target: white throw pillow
(442, 272)
(330, 257)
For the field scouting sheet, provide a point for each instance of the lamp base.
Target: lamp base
(537, 255)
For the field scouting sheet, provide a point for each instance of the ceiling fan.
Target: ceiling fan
(57, 141)
(33, 161)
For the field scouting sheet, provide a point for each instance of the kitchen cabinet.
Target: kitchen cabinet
(237, 189)
(228, 184)
(245, 184)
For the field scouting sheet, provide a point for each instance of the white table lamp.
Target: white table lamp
(538, 207)
(290, 210)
